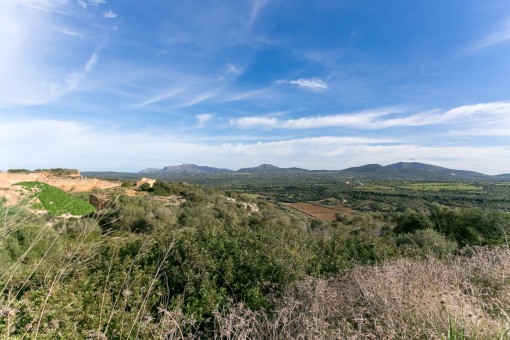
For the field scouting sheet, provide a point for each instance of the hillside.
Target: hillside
(502, 177)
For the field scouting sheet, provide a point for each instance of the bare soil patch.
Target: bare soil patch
(68, 183)
(318, 211)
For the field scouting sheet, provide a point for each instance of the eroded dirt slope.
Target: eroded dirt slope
(66, 183)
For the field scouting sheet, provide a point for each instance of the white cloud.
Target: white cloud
(251, 122)
(96, 3)
(312, 83)
(479, 115)
(82, 4)
(359, 119)
(493, 109)
(490, 115)
(109, 14)
(37, 143)
(203, 119)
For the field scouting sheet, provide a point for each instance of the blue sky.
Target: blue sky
(126, 85)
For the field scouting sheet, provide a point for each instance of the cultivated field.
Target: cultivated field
(313, 209)
(423, 186)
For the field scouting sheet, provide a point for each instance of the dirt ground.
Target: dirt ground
(76, 184)
(13, 194)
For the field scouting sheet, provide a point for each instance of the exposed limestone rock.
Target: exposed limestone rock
(100, 202)
(144, 180)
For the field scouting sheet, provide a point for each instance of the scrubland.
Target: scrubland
(209, 267)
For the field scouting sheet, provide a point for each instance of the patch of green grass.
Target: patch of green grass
(55, 201)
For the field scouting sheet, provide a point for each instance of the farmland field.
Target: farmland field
(318, 211)
(423, 186)
(441, 186)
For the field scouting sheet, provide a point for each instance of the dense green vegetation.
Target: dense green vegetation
(148, 267)
(55, 201)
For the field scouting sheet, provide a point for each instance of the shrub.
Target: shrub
(411, 220)
(426, 242)
(473, 226)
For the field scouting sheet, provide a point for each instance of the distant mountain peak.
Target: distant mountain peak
(185, 168)
(271, 169)
(268, 166)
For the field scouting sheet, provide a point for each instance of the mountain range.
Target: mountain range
(185, 169)
(402, 170)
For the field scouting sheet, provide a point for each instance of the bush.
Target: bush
(473, 226)
(343, 251)
(138, 215)
(27, 244)
(411, 220)
(426, 242)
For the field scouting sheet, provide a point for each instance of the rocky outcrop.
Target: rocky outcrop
(144, 180)
(100, 202)
(248, 206)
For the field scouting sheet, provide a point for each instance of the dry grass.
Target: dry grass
(467, 296)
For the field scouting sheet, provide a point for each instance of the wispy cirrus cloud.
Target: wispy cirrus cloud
(499, 36)
(160, 97)
(311, 83)
(198, 98)
(74, 78)
(70, 32)
(28, 78)
(257, 7)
